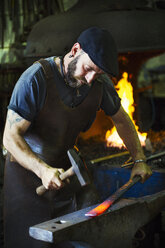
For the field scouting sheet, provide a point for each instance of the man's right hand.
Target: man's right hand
(51, 178)
(14, 142)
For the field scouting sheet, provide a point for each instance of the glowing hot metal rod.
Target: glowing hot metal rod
(110, 200)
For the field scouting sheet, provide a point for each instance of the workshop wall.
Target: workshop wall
(17, 18)
(151, 88)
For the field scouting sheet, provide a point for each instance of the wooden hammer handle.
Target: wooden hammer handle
(41, 190)
(68, 173)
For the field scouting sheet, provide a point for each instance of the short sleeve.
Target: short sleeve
(111, 101)
(29, 93)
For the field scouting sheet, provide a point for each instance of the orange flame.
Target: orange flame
(125, 91)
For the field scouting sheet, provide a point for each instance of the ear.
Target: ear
(75, 49)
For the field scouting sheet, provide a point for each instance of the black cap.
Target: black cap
(101, 48)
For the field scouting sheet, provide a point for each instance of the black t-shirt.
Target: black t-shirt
(29, 93)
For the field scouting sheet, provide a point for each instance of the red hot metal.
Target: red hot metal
(110, 200)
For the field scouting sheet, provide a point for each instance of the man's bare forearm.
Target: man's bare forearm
(127, 132)
(23, 154)
(15, 143)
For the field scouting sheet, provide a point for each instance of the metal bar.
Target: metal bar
(97, 160)
(154, 156)
(100, 209)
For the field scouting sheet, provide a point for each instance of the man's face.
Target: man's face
(81, 70)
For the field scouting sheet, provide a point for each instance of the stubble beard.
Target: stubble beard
(71, 80)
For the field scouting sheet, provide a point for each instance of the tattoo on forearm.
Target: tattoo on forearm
(13, 118)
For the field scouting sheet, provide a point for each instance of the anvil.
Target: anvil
(115, 228)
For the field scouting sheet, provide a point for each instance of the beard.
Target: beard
(71, 80)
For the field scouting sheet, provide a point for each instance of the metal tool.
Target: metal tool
(97, 160)
(78, 168)
(154, 156)
(113, 198)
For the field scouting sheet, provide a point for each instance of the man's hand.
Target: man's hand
(128, 134)
(141, 169)
(14, 142)
(51, 178)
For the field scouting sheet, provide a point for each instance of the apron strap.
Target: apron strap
(46, 68)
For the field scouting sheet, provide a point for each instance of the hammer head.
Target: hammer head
(79, 167)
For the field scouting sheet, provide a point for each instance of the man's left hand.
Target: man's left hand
(141, 169)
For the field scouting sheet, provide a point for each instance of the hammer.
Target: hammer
(78, 168)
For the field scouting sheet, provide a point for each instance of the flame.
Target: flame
(125, 91)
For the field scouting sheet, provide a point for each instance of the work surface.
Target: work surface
(119, 224)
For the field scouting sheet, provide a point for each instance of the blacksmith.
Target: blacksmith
(53, 101)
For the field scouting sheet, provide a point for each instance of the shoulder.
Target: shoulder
(29, 92)
(108, 86)
(110, 99)
(33, 78)
(34, 73)
(106, 81)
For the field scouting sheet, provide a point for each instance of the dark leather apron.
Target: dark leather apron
(53, 132)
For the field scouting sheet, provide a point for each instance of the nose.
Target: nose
(90, 76)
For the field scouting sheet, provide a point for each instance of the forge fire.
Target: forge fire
(125, 91)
